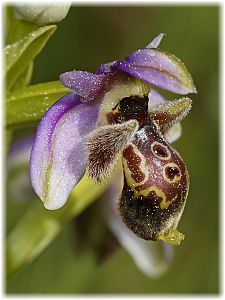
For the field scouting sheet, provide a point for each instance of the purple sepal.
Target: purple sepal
(85, 84)
(158, 68)
(58, 158)
(156, 41)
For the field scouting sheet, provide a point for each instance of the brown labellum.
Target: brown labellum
(152, 207)
(156, 180)
(155, 177)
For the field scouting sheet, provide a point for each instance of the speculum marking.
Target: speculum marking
(171, 172)
(160, 151)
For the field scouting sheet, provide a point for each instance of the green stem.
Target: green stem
(39, 226)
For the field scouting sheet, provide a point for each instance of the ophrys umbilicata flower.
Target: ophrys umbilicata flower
(113, 116)
(151, 258)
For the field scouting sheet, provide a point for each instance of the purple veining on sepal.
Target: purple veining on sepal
(158, 68)
(85, 84)
(156, 41)
(58, 157)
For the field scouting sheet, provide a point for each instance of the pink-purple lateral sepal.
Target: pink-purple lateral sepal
(58, 158)
(160, 69)
(85, 84)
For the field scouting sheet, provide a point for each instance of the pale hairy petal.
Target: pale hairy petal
(175, 131)
(171, 112)
(104, 146)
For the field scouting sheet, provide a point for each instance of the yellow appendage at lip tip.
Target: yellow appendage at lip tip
(173, 237)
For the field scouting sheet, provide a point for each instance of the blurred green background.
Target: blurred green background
(88, 37)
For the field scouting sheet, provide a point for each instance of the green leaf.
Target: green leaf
(19, 54)
(25, 78)
(40, 226)
(27, 105)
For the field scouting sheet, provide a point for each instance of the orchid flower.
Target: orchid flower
(101, 123)
(152, 259)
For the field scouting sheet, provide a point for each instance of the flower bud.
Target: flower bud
(42, 14)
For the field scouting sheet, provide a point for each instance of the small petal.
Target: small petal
(105, 145)
(152, 258)
(85, 84)
(170, 113)
(58, 157)
(156, 41)
(174, 132)
(158, 68)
